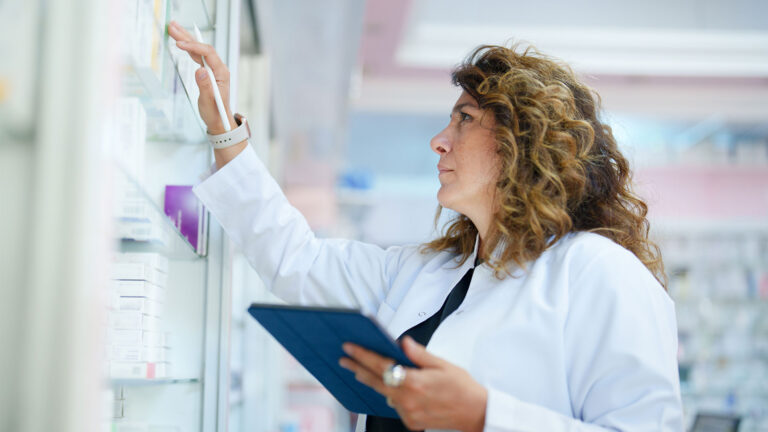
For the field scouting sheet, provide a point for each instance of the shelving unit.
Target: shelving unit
(719, 281)
(192, 394)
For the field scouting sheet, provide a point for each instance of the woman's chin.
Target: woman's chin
(443, 200)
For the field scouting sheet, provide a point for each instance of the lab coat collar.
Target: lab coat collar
(473, 257)
(497, 253)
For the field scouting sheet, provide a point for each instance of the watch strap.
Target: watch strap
(239, 134)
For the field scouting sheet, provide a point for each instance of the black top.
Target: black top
(421, 333)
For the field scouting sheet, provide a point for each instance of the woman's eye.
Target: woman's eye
(464, 117)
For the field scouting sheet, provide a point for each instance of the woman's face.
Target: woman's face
(469, 165)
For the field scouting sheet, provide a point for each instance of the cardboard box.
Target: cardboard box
(138, 354)
(152, 259)
(142, 231)
(135, 209)
(140, 304)
(138, 271)
(133, 320)
(135, 338)
(132, 370)
(130, 288)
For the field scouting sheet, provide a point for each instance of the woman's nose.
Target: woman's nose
(440, 143)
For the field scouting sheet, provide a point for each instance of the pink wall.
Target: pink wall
(705, 193)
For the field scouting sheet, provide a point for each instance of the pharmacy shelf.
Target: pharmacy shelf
(167, 239)
(118, 382)
(156, 110)
(707, 227)
(170, 115)
(708, 393)
(168, 98)
(200, 12)
(725, 301)
(684, 264)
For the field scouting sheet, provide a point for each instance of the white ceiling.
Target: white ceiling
(601, 50)
(680, 58)
(737, 15)
(651, 37)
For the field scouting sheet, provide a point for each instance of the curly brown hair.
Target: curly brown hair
(561, 169)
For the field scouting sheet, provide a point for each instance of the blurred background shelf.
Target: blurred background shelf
(709, 394)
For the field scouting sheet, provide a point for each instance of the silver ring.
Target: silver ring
(394, 375)
(390, 402)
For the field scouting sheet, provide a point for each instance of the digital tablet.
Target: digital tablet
(313, 335)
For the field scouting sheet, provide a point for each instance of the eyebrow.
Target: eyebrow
(458, 107)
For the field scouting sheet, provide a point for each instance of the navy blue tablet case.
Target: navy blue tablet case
(313, 335)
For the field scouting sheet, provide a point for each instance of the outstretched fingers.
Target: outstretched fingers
(180, 34)
(186, 42)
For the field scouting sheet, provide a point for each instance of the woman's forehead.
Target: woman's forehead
(466, 98)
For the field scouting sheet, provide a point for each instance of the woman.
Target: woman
(543, 303)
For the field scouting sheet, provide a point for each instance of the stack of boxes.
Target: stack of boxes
(136, 218)
(137, 343)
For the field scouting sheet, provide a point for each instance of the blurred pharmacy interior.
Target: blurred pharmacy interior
(124, 306)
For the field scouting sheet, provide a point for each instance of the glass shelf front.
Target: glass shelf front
(162, 77)
(200, 12)
(141, 226)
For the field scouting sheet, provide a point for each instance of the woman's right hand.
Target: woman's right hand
(206, 102)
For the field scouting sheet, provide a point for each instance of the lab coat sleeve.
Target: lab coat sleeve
(505, 413)
(277, 241)
(620, 340)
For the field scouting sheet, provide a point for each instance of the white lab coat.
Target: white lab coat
(585, 340)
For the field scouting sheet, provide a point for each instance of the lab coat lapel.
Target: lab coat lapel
(427, 294)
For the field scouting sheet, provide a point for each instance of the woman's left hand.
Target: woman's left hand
(439, 395)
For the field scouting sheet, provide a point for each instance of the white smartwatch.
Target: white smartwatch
(239, 134)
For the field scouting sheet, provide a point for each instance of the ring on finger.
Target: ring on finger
(390, 402)
(394, 375)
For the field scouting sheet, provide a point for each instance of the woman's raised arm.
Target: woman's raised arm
(248, 203)
(206, 103)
